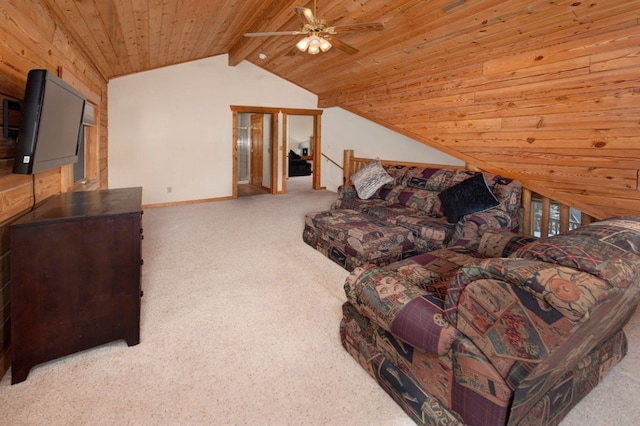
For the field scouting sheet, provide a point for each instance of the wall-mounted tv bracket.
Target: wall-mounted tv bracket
(8, 131)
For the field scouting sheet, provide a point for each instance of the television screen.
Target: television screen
(51, 123)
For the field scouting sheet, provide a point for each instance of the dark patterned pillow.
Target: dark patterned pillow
(469, 196)
(370, 178)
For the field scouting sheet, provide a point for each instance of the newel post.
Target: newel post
(346, 166)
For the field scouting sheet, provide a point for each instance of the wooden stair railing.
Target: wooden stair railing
(552, 215)
(548, 223)
(331, 161)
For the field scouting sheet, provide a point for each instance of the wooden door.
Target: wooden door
(257, 132)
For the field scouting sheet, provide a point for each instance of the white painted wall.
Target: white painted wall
(172, 127)
(343, 130)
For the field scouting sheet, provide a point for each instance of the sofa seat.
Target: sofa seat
(432, 271)
(516, 331)
(413, 199)
(351, 238)
(431, 233)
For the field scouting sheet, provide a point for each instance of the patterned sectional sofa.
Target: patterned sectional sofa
(515, 330)
(418, 210)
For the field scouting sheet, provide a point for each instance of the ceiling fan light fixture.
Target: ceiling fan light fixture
(324, 44)
(313, 44)
(317, 34)
(303, 44)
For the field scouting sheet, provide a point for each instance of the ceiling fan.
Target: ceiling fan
(318, 35)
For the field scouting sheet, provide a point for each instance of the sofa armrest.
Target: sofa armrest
(471, 227)
(347, 192)
(519, 312)
(407, 311)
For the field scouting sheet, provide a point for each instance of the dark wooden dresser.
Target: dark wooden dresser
(75, 276)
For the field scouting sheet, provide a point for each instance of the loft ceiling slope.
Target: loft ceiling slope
(278, 16)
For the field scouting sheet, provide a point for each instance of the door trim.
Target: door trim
(317, 144)
(235, 110)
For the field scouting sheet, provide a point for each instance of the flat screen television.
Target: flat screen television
(49, 132)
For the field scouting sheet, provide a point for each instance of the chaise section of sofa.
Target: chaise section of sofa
(462, 335)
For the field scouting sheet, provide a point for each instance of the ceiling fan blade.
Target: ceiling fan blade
(292, 51)
(341, 45)
(274, 33)
(305, 15)
(367, 26)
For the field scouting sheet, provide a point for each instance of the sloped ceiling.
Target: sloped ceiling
(542, 90)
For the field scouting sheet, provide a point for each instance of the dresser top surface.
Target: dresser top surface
(73, 205)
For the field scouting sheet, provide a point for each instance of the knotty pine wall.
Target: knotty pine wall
(560, 111)
(30, 38)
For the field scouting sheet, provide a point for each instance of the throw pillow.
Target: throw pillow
(469, 196)
(370, 178)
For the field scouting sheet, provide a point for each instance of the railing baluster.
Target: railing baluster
(527, 211)
(546, 213)
(544, 217)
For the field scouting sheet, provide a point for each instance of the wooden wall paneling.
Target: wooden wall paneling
(274, 17)
(505, 53)
(96, 26)
(130, 26)
(582, 157)
(139, 31)
(30, 38)
(550, 97)
(188, 43)
(66, 10)
(180, 26)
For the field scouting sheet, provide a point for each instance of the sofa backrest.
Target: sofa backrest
(410, 181)
(609, 250)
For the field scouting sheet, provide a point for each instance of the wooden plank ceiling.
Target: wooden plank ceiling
(545, 91)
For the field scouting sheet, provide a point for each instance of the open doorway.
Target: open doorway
(299, 132)
(255, 150)
(302, 149)
(272, 178)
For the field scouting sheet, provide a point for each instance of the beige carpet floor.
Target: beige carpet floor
(240, 327)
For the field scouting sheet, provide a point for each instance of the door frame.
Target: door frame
(235, 110)
(256, 149)
(317, 144)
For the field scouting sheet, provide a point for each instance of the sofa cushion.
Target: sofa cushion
(370, 178)
(351, 238)
(419, 199)
(469, 196)
(608, 249)
(572, 293)
(397, 172)
(433, 179)
(390, 212)
(427, 227)
(501, 243)
(358, 204)
(434, 270)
